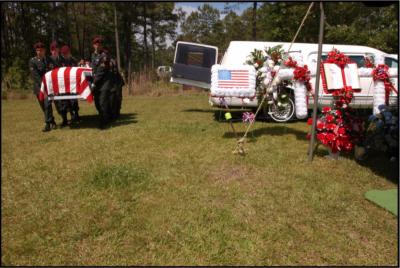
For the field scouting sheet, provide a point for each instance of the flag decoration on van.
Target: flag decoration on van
(67, 80)
(233, 81)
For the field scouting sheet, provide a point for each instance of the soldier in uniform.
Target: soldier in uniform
(68, 61)
(102, 81)
(38, 66)
(56, 62)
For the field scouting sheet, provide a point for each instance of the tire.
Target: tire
(283, 115)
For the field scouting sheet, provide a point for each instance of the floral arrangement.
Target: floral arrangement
(337, 127)
(382, 133)
(265, 62)
(381, 72)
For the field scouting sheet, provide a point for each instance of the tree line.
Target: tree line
(144, 29)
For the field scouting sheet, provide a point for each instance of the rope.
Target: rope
(239, 147)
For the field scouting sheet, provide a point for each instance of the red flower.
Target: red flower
(308, 136)
(341, 131)
(291, 63)
(320, 125)
(330, 127)
(322, 137)
(309, 121)
(338, 113)
(326, 109)
(330, 118)
(330, 137)
(301, 74)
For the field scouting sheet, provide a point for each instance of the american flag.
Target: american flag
(233, 78)
(66, 80)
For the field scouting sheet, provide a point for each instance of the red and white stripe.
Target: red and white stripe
(66, 80)
(239, 79)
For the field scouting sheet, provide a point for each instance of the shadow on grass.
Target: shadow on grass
(219, 115)
(377, 162)
(92, 121)
(271, 131)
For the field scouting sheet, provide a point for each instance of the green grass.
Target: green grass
(162, 187)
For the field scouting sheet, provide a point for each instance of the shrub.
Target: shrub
(17, 77)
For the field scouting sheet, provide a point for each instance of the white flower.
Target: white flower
(256, 64)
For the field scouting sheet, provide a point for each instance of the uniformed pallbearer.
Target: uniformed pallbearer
(68, 61)
(38, 66)
(102, 81)
(56, 62)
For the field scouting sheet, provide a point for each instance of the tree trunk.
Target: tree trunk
(68, 31)
(146, 48)
(127, 29)
(84, 31)
(254, 35)
(77, 31)
(116, 37)
(129, 78)
(54, 22)
(153, 44)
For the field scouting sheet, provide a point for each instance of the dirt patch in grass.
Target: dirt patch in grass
(227, 172)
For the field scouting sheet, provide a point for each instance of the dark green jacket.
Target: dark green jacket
(38, 68)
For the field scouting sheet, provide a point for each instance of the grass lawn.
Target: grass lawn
(162, 187)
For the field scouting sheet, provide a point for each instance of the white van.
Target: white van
(193, 62)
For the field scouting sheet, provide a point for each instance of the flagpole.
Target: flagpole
(317, 78)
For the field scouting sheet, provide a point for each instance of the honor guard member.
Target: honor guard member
(56, 62)
(68, 61)
(55, 56)
(38, 67)
(102, 81)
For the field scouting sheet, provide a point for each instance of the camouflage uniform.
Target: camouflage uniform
(61, 105)
(38, 68)
(72, 105)
(102, 84)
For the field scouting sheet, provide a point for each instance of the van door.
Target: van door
(192, 64)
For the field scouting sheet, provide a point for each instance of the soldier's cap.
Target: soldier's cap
(65, 50)
(97, 40)
(53, 45)
(38, 45)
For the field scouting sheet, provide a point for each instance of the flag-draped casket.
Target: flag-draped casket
(67, 81)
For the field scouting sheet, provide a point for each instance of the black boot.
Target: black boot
(46, 128)
(53, 124)
(75, 117)
(65, 121)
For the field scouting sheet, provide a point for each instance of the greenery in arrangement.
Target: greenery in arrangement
(264, 62)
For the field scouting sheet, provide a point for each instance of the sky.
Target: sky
(189, 7)
(192, 6)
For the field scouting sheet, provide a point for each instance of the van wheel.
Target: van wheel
(282, 114)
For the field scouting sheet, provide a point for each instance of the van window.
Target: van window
(195, 55)
(392, 63)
